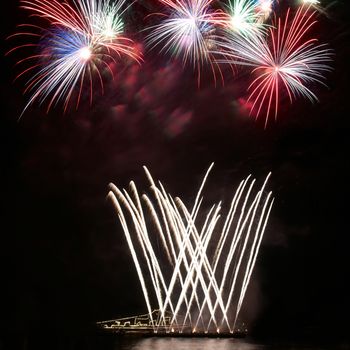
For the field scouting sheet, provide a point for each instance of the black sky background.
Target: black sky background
(64, 262)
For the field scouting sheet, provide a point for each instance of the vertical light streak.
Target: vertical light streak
(254, 205)
(247, 278)
(121, 217)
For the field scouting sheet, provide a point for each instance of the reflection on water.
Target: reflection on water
(52, 342)
(198, 344)
(187, 344)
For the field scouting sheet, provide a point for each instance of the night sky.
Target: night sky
(64, 260)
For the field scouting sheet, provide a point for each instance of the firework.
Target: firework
(284, 61)
(188, 31)
(245, 16)
(75, 49)
(265, 8)
(199, 296)
(316, 5)
(312, 2)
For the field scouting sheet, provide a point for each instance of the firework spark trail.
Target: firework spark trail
(184, 242)
(255, 205)
(160, 231)
(224, 233)
(179, 240)
(188, 31)
(290, 62)
(159, 228)
(202, 247)
(250, 216)
(98, 19)
(141, 229)
(182, 252)
(75, 49)
(236, 238)
(186, 245)
(318, 6)
(218, 294)
(170, 219)
(252, 262)
(229, 219)
(206, 239)
(133, 253)
(196, 266)
(192, 227)
(190, 250)
(158, 195)
(138, 219)
(125, 202)
(57, 13)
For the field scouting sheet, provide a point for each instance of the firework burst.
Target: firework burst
(246, 16)
(265, 8)
(286, 61)
(75, 49)
(188, 31)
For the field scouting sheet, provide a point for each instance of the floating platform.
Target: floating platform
(162, 334)
(144, 326)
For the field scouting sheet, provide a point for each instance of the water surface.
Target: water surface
(202, 344)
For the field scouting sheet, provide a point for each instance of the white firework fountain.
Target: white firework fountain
(193, 267)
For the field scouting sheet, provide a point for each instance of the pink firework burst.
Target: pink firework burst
(286, 61)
